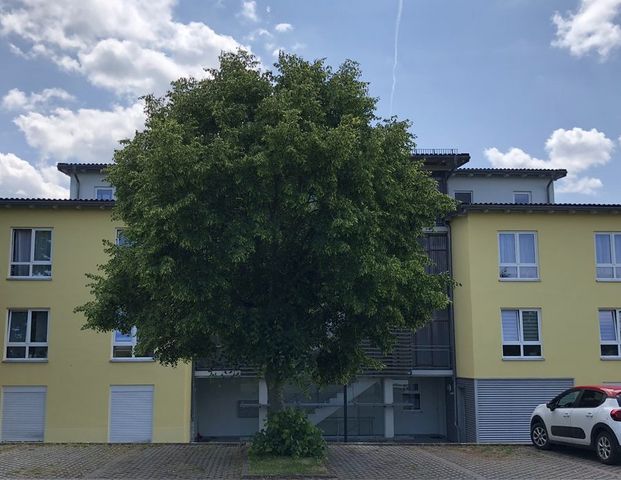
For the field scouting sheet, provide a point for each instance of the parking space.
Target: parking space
(350, 461)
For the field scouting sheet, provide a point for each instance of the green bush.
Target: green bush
(289, 433)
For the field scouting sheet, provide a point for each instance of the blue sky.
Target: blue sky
(516, 83)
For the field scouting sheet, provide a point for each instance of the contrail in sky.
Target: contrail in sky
(394, 65)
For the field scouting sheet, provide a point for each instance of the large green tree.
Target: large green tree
(273, 218)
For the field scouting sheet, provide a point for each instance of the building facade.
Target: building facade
(535, 310)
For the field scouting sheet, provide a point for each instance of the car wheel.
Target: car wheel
(607, 448)
(539, 436)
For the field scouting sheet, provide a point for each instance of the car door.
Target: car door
(584, 414)
(559, 416)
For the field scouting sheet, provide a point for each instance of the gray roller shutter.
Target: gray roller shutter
(504, 406)
(131, 413)
(23, 414)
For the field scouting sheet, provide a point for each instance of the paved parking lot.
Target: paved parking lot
(351, 461)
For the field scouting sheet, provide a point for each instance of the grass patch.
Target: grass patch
(280, 466)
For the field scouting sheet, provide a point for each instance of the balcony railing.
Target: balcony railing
(435, 151)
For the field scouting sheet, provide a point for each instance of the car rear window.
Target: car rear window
(619, 399)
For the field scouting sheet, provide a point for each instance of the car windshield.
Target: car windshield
(619, 399)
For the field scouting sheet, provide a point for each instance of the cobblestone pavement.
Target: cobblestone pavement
(351, 461)
(464, 461)
(121, 461)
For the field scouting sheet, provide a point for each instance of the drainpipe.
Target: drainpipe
(77, 181)
(452, 337)
(548, 190)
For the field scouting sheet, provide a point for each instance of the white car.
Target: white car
(588, 416)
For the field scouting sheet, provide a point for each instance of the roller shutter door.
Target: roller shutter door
(23, 414)
(504, 406)
(131, 414)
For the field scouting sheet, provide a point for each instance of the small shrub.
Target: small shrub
(288, 433)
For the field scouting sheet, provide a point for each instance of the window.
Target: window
(463, 197)
(591, 399)
(520, 333)
(518, 256)
(121, 239)
(521, 197)
(27, 335)
(567, 399)
(104, 193)
(124, 344)
(31, 254)
(608, 256)
(411, 397)
(609, 338)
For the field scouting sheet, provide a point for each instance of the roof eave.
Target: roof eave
(54, 203)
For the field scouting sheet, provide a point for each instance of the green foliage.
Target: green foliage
(273, 218)
(288, 433)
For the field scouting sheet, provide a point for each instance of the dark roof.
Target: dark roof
(554, 174)
(538, 207)
(55, 203)
(69, 168)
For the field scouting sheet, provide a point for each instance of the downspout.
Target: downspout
(452, 337)
(548, 190)
(77, 181)
(452, 326)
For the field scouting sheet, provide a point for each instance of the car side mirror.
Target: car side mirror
(551, 406)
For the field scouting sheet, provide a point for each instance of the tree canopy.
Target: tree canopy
(272, 218)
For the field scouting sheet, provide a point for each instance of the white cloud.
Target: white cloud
(277, 51)
(86, 135)
(575, 150)
(18, 178)
(592, 27)
(249, 10)
(283, 27)
(16, 99)
(98, 38)
(260, 32)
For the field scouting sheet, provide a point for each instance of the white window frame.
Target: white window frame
(132, 343)
(524, 192)
(27, 343)
(616, 317)
(521, 342)
(518, 264)
(32, 262)
(613, 257)
(118, 233)
(412, 393)
(97, 189)
(464, 191)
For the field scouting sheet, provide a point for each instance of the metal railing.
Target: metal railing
(435, 151)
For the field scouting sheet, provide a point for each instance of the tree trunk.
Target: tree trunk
(275, 387)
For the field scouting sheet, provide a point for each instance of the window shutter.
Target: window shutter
(510, 329)
(607, 326)
(530, 325)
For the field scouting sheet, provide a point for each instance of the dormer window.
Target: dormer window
(521, 197)
(104, 193)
